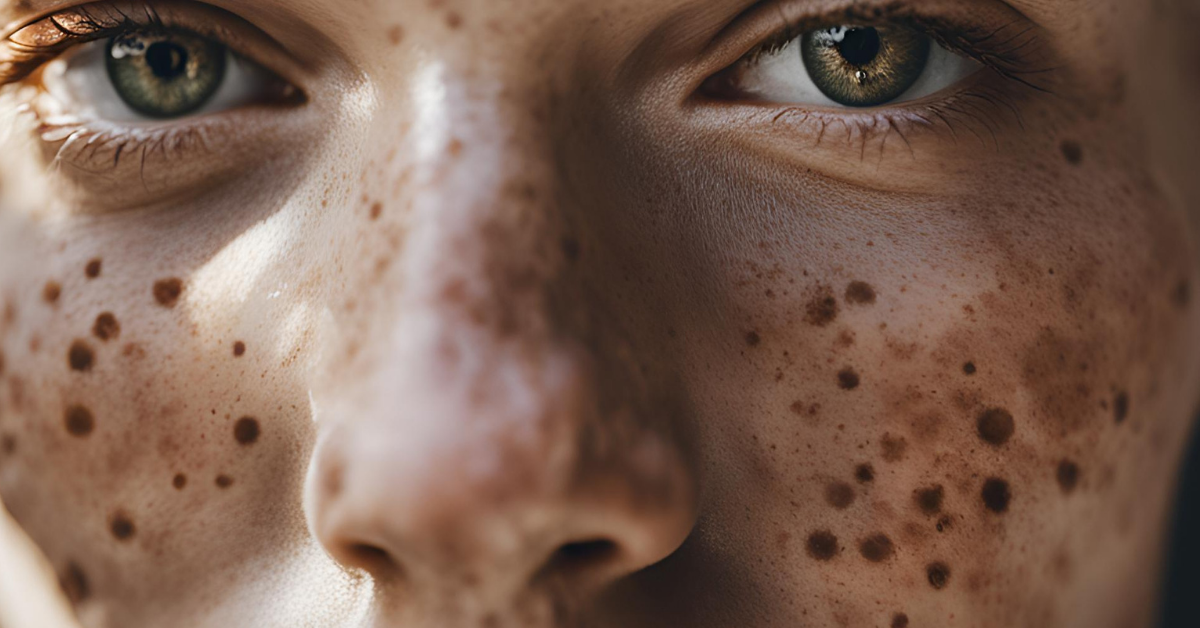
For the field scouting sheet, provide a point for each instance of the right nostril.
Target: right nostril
(581, 558)
(370, 558)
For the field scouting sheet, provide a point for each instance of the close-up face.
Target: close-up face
(596, 314)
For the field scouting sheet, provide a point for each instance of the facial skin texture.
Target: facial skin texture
(504, 327)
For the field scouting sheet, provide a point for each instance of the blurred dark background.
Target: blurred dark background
(1183, 583)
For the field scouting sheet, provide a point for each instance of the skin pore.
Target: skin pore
(520, 317)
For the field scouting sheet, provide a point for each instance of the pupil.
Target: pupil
(166, 60)
(860, 46)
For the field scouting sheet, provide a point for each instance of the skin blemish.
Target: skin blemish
(51, 292)
(929, 500)
(92, 270)
(1068, 476)
(395, 35)
(944, 523)
(1121, 407)
(223, 481)
(969, 368)
(453, 20)
(74, 583)
(1072, 151)
(239, 349)
(168, 291)
(79, 421)
(1181, 296)
(80, 356)
(847, 379)
(106, 327)
(860, 293)
(864, 473)
(8, 444)
(822, 309)
(839, 495)
(900, 620)
(753, 339)
(246, 431)
(179, 481)
(938, 574)
(822, 545)
(121, 526)
(376, 210)
(996, 495)
(876, 548)
(893, 447)
(995, 426)
(571, 249)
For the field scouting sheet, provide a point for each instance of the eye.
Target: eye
(150, 74)
(854, 66)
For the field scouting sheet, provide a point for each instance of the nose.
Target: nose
(495, 432)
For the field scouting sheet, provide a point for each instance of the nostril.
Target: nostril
(370, 558)
(581, 560)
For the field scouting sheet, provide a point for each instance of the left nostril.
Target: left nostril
(370, 558)
(581, 560)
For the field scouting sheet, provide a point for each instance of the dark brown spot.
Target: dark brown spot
(168, 291)
(939, 575)
(1182, 295)
(80, 356)
(74, 584)
(860, 293)
(376, 211)
(51, 292)
(1072, 151)
(969, 368)
(839, 495)
(929, 499)
(893, 447)
(79, 421)
(822, 545)
(8, 444)
(944, 523)
(1121, 407)
(995, 426)
(1060, 371)
(876, 548)
(179, 481)
(1068, 476)
(223, 481)
(122, 527)
(847, 379)
(753, 339)
(239, 349)
(92, 270)
(246, 430)
(106, 327)
(822, 309)
(996, 495)
(571, 249)
(900, 620)
(864, 473)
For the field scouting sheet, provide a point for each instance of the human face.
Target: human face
(553, 313)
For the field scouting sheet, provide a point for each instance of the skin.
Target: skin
(500, 290)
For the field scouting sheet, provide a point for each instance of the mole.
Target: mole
(822, 309)
(929, 500)
(51, 292)
(969, 368)
(179, 481)
(995, 426)
(121, 526)
(246, 430)
(168, 291)
(239, 349)
(900, 620)
(822, 545)
(1121, 407)
(79, 421)
(1067, 475)
(106, 327)
(877, 548)
(80, 356)
(92, 270)
(864, 473)
(996, 495)
(860, 293)
(753, 339)
(376, 211)
(847, 379)
(839, 495)
(223, 481)
(938, 574)
(1072, 151)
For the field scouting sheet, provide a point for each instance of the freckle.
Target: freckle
(1182, 295)
(8, 444)
(395, 35)
(246, 430)
(376, 210)
(453, 20)
(839, 495)
(122, 527)
(860, 293)
(822, 309)
(864, 473)
(571, 249)
(900, 620)
(79, 421)
(969, 368)
(168, 291)
(929, 499)
(74, 584)
(847, 379)
(753, 339)
(239, 349)
(877, 548)
(1068, 476)
(92, 270)
(1072, 151)
(995, 426)
(223, 481)
(179, 481)
(893, 447)
(996, 495)
(106, 327)
(51, 292)
(938, 574)
(1121, 407)
(80, 356)
(822, 545)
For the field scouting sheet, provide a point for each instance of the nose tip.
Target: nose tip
(501, 494)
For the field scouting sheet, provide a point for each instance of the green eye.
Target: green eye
(165, 74)
(859, 66)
